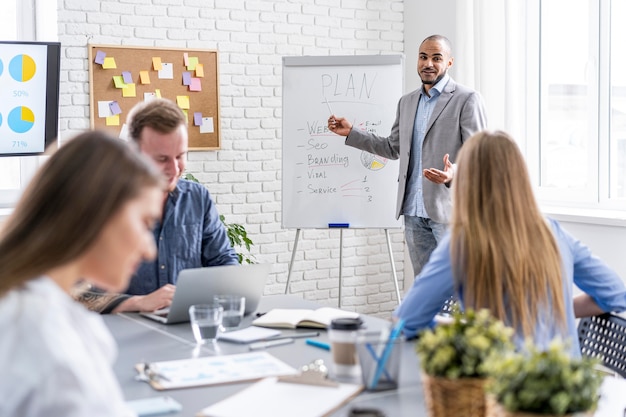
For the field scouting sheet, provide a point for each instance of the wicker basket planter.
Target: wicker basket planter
(462, 397)
(494, 409)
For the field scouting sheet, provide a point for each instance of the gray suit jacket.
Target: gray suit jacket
(458, 114)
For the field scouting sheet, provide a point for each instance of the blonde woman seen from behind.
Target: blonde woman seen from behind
(503, 255)
(87, 214)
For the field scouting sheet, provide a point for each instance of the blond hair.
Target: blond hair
(506, 257)
(68, 202)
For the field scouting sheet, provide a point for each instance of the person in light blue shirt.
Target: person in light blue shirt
(190, 233)
(503, 255)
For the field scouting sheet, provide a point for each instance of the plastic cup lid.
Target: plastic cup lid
(346, 324)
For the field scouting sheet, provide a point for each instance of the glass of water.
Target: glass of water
(234, 307)
(206, 320)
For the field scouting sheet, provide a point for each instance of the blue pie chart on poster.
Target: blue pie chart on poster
(21, 119)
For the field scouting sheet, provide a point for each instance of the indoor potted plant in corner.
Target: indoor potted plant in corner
(453, 357)
(539, 383)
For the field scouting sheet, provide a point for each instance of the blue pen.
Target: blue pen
(372, 352)
(382, 362)
(338, 225)
(318, 344)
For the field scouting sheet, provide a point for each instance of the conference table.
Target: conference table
(142, 340)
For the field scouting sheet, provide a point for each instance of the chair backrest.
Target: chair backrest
(448, 307)
(604, 337)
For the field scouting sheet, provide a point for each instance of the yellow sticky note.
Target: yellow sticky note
(118, 80)
(192, 62)
(156, 63)
(200, 70)
(183, 102)
(144, 77)
(113, 120)
(158, 92)
(186, 113)
(129, 90)
(109, 63)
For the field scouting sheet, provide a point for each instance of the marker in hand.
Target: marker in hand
(330, 109)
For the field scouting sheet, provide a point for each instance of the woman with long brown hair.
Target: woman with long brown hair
(504, 255)
(87, 214)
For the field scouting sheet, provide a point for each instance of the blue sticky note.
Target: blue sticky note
(128, 78)
(186, 78)
(99, 59)
(115, 107)
(197, 118)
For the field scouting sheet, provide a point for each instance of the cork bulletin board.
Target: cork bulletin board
(122, 76)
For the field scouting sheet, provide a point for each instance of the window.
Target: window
(617, 99)
(581, 123)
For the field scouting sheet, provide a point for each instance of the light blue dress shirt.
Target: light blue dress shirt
(190, 236)
(435, 284)
(414, 199)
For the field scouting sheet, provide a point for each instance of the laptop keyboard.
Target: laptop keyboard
(162, 312)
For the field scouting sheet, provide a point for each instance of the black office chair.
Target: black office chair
(604, 337)
(448, 307)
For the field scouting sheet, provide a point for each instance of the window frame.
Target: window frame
(596, 201)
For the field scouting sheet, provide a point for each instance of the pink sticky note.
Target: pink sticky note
(197, 118)
(196, 84)
(100, 55)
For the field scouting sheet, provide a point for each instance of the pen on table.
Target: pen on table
(293, 336)
(270, 343)
(318, 344)
(152, 374)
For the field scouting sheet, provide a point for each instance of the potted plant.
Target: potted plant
(237, 234)
(543, 383)
(453, 358)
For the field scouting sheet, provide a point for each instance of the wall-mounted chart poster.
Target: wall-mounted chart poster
(29, 96)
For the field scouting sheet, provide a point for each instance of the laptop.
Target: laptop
(199, 285)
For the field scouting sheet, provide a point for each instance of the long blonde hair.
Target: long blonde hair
(68, 202)
(505, 255)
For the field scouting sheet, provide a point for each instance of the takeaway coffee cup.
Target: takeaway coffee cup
(344, 335)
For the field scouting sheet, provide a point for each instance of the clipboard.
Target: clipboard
(273, 398)
(213, 370)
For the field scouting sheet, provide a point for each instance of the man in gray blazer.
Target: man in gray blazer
(431, 124)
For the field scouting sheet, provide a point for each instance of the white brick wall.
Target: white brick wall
(244, 177)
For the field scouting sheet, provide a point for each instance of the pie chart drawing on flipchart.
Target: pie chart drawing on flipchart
(21, 119)
(22, 68)
(373, 162)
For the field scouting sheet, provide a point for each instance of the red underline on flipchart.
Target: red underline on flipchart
(350, 189)
(327, 165)
(348, 183)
